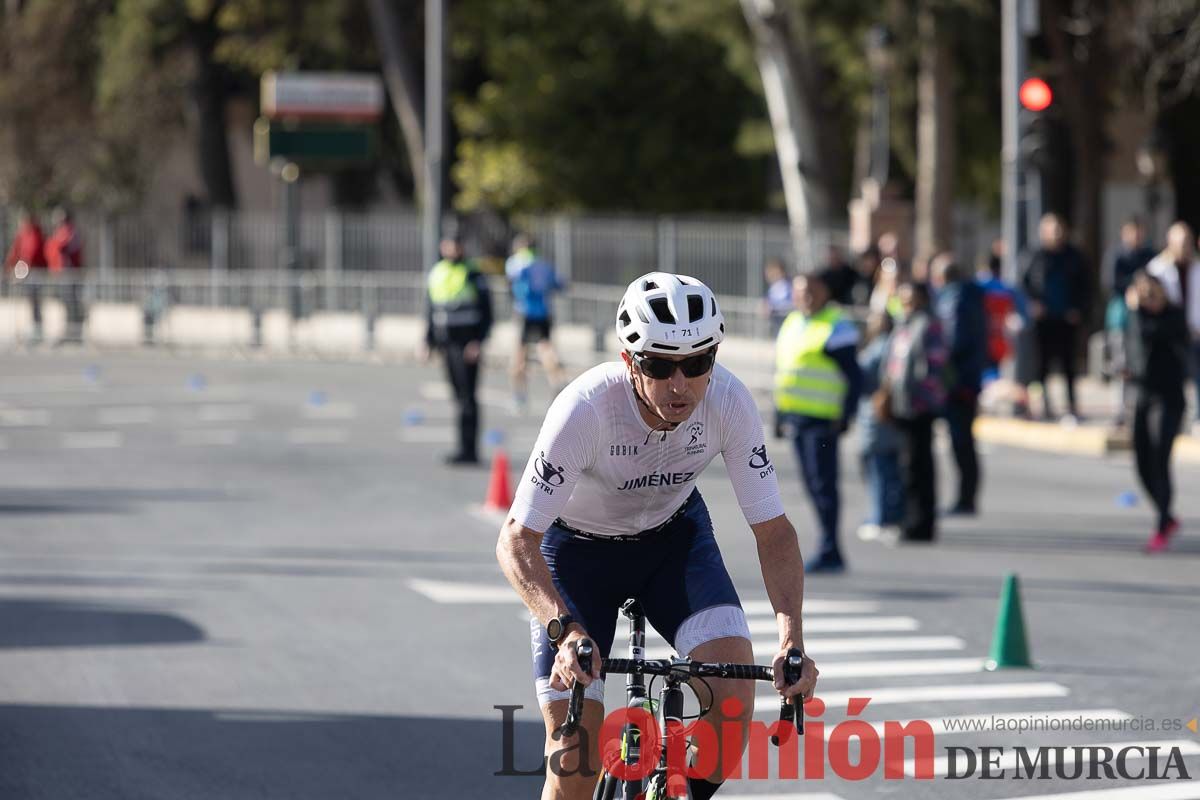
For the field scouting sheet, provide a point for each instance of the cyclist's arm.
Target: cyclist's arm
(520, 557)
(783, 574)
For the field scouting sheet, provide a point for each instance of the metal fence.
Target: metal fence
(726, 252)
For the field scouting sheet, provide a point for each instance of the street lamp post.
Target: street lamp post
(1151, 165)
(880, 59)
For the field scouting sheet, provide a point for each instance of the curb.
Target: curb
(1083, 440)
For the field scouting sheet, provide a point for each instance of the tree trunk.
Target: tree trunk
(207, 100)
(935, 139)
(790, 104)
(402, 85)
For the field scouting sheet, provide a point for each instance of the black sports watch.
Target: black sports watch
(556, 628)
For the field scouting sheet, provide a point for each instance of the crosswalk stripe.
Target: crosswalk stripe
(427, 435)
(830, 625)
(899, 695)
(1083, 753)
(316, 436)
(92, 440)
(447, 592)
(838, 670)
(791, 796)
(237, 412)
(868, 644)
(24, 417)
(331, 411)
(815, 605)
(1176, 791)
(126, 415)
(208, 437)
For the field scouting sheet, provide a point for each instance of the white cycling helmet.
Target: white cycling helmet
(666, 313)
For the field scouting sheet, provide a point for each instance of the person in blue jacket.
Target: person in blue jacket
(959, 306)
(534, 281)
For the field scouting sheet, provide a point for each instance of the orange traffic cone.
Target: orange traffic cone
(499, 494)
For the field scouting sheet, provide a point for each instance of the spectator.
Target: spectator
(1173, 266)
(884, 299)
(458, 319)
(64, 256)
(843, 277)
(26, 261)
(1157, 363)
(960, 309)
(1178, 269)
(879, 442)
(534, 282)
(1131, 255)
(913, 395)
(1007, 325)
(777, 300)
(868, 276)
(1056, 283)
(817, 384)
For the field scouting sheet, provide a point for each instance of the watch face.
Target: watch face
(554, 629)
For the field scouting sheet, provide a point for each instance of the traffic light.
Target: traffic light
(1036, 98)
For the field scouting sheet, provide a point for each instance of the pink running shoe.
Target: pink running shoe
(1158, 542)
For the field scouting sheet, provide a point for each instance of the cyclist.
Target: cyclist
(608, 509)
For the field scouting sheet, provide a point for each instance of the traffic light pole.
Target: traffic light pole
(435, 137)
(1012, 189)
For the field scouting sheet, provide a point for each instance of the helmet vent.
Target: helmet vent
(648, 285)
(624, 318)
(662, 311)
(704, 343)
(714, 306)
(695, 307)
(633, 337)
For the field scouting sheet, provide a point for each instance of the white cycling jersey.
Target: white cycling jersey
(603, 470)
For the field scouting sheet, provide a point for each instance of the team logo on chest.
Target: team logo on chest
(697, 443)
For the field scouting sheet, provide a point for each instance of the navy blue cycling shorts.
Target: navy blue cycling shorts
(676, 573)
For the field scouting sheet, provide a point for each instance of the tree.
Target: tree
(935, 134)
(401, 75)
(594, 106)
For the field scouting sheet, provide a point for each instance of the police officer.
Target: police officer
(459, 315)
(817, 384)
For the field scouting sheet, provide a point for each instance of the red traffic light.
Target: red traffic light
(1035, 94)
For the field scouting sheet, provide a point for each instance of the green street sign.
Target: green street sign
(313, 144)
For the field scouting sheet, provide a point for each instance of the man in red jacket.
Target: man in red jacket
(64, 254)
(24, 257)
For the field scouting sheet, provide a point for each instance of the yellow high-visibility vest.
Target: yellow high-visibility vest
(453, 294)
(807, 381)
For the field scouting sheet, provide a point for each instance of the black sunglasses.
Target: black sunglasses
(662, 368)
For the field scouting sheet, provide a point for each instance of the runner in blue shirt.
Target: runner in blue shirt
(533, 281)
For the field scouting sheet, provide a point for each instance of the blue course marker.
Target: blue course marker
(91, 373)
(1127, 499)
(317, 398)
(414, 416)
(197, 382)
(494, 437)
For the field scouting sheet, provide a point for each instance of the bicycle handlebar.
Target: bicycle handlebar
(664, 667)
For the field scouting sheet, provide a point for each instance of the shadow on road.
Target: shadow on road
(64, 623)
(117, 754)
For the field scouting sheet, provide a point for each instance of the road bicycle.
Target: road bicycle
(667, 710)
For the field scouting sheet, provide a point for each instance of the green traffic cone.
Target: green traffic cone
(1009, 647)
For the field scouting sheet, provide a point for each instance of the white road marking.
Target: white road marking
(815, 606)
(317, 436)
(330, 411)
(447, 592)
(92, 440)
(901, 695)
(126, 415)
(895, 668)
(238, 412)
(1084, 754)
(420, 434)
(760, 627)
(791, 796)
(869, 644)
(208, 437)
(486, 395)
(24, 417)
(492, 516)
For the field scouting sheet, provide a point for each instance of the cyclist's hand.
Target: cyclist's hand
(803, 688)
(566, 669)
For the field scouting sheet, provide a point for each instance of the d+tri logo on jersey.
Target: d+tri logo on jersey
(760, 461)
(548, 475)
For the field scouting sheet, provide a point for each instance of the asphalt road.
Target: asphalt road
(234, 579)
